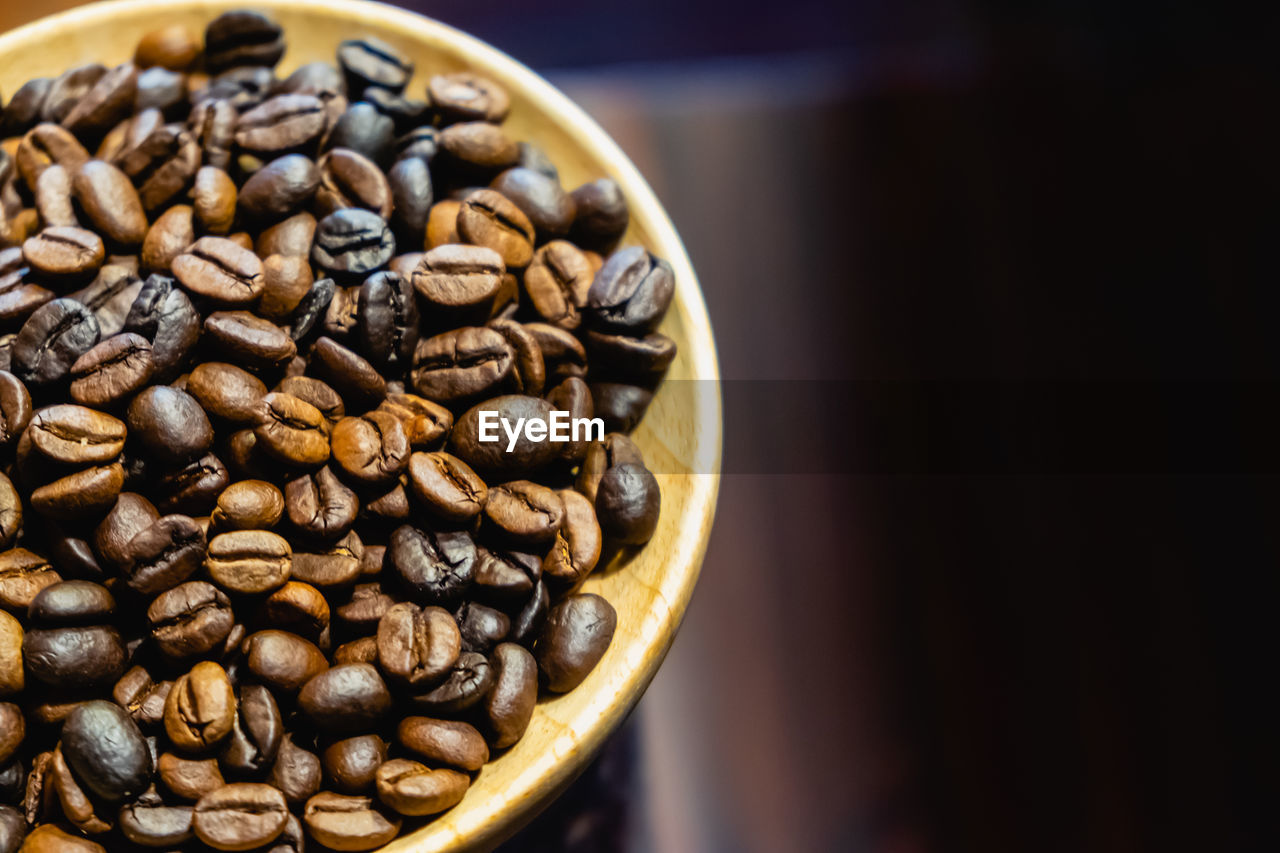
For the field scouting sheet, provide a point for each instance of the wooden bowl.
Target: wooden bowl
(680, 436)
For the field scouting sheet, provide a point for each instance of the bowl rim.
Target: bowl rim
(487, 824)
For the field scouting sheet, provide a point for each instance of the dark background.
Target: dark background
(1023, 257)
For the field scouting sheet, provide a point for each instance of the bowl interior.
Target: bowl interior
(680, 436)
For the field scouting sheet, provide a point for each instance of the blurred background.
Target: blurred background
(994, 287)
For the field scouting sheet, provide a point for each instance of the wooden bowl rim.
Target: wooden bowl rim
(474, 824)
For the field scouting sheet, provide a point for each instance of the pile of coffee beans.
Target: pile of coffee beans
(262, 583)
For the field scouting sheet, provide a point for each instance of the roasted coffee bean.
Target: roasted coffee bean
(280, 189)
(214, 199)
(463, 364)
(50, 838)
(407, 113)
(315, 392)
(240, 38)
(345, 698)
(248, 339)
(10, 512)
(487, 218)
(371, 449)
(13, 826)
(161, 89)
(627, 504)
(22, 575)
(602, 215)
(292, 431)
(447, 486)
(482, 627)
(228, 393)
(282, 660)
(372, 62)
(620, 405)
(352, 243)
(492, 457)
(349, 374)
(296, 772)
(417, 646)
(105, 748)
(313, 308)
(509, 706)
(364, 129)
(444, 742)
(110, 296)
(141, 696)
(174, 47)
(320, 505)
(151, 822)
(110, 202)
(12, 730)
(350, 764)
(248, 505)
(169, 424)
(533, 157)
(631, 292)
(531, 371)
(249, 561)
(15, 408)
(287, 280)
(162, 165)
(349, 179)
(23, 109)
(240, 816)
(557, 283)
(388, 319)
(112, 371)
(190, 620)
(169, 236)
(507, 576)
(411, 193)
(76, 435)
(213, 122)
(43, 146)
(86, 494)
(255, 736)
(425, 423)
(578, 544)
(51, 340)
(468, 682)
(464, 96)
(297, 607)
(549, 208)
(192, 488)
(73, 799)
(200, 709)
(616, 449)
(338, 565)
(413, 789)
(459, 283)
(348, 823)
(53, 198)
(188, 778)
(74, 658)
(575, 637)
(438, 565)
(73, 602)
(64, 252)
(109, 100)
(163, 314)
(281, 124)
(291, 236)
(641, 359)
(221, 271)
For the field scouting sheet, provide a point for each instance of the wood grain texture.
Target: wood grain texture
(680, 437)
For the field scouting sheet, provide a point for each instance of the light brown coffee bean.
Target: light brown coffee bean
(249, 561)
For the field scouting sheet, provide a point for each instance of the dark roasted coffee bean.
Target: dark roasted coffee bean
(226, 392)
(578, 544)
(110, 296)
(15, 408)
(86, 494)
(388, 319)
(249, 562)
(463, 364)
(214, 123)
(417, 646)
(242, 38)
(192, 488)
(492, 457)
(620, 405)
(531, 371)
(110, 202)
(245, 88)
(409, 181)
(320, 505)
(13, 825)
(437, 565)
(349, 823)
(64, 252)
(352, 376)
(280, 189)
(141, 696)
(413, 789)
(292, 431)
(109, 100)
(73, 602)
(255, 736)
(335, 566)
(161, 89)
(313, 308)
(240, 816)
(509, 706)
(627, 503)
(163, 314)
(407, 113)
(282, 660)
(190, 620)
(641, 359)
(45, 145)
(540, 198)
(51, 340)
(345, 698)
(349, 179)
(162, 165)
(371, 449)
(468, 682)
(296, 772)
(200, 709)
(169, 236)
(451, 743)
(71, 795)
(75, 658)
(151, 822)
(575, 637)
(557, 283)
(76, 435)
(247, 339)
(68, 88)
(464, 96)
(112, 371)
(352, 242)
(281, 124)
(131, 514)
(23, 109)
(105, 748)
(364, 129)
(459, 283)
(631, 293)
(526, 624)
(221, 271)
(170, 424)
(350, 763)
(482, 627)
(372, 62)
(420, 143)
(533, 157)
(506, 576)
(602, 215)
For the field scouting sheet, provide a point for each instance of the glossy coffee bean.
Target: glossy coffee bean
(482, 627)
(345, 698)
(488, 218)
(280, 189)
(464, 96)
(23, 574)
(506, 576)
(255, 736)
(281, 124)
(352, 242)
(142, 697)
(287, 281)
(371, 449)
(459, 282)
(214, 199)
(106, 750)
(200, 710)
(350, 179)
(620, 405)
(55, 203)
(602, 215)
(414, 789)
(110, 202)
(282, 660)
(350, 764)
(334, 566)
(13, 827)
(438, 565)
(149, 821)
(417, 646)
(191, 488)
(240, 816)
(169, 424)
(292, 431)
(426, 423)
(509, 706)
(348, 823)
(84, 495)
(12, 677)
(320, 505)
(217, 269)
(51, 340)
(411, 194)
(557, 283)
(631, 293)
(451, 743)
(44, 145)
(296, 772)
(247, 339)
(73, 602)
(549, 208)
(242, 38)
(463, 364)
(578, 543)
(188, 779)
(112, 371)
(351, 375)
(467, 683)
(387, 324)
(372, 62)
(74, 658)
(364, 129)
(492, 457)
(576, 635)
(64, 252)
(163, 314)
(477, 150)
(76, 435)
(190, 620)
(248, 505)
(447, 486)
(162, 165)
(174, 47)
(229, 394)
(51, 838)
(249, 561)
(290, 236)
(627, 504)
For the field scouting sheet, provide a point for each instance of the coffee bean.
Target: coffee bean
(105, 748)
(240, 816)
(320, 505)
(468, 682)
(170, 235)
(10, 512)
(200, 709)
(112, 371)
(64, 252)
(413, 789)
(141, 696)
(297, 607)
(526, 457)
(338, 565)
(464, 96)
(280, 189)
(15, 408)
(214, 199)
(163, 314)
(364, 129)
(188, 778)
(549, 208)
(482, 627)
(296, 772)
(313, 308)
(45, 145)
(439, 565)
(315, 392)
(631, 292)
(49, 838)
(22, 575)
(442, 224)
(578, 544)
(602, 215)
(531, 371)
(228, 393)
(345, 698)
(558, 282)
(161, 89)
(348, 823)
(281, 124)
(219, 270)
(12, 730)
(287, 279)
(190, 620)
(248, 505)
(509, 706)
(620, 405)
(459, 283)
(242, 38)
(371, 449)
(51, 340)
(110, 296)
(73, 602)
(76, 435)
(641, 359)
(449, 742)
(23, 109)
(151, 822)
(54, 198)
(627, 503)
(248, 339)
(283, 660)
(193, 487)
(292, 431)
(110, 202)
(417, 647)
(350, 764)
(387, 324)
(411, 193)
(487, 218)
(352, 242)
(174, 47)
(74, 658)
(352, 376)
(575, 637)
(255, 736)
(373, 62)
(86, 494)
(131, 514)
(463, 364)
(349, 179)
(170, 424)
(13, 826)
(425, 423)
(249, 561)
(507, 576)
(162, 165)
